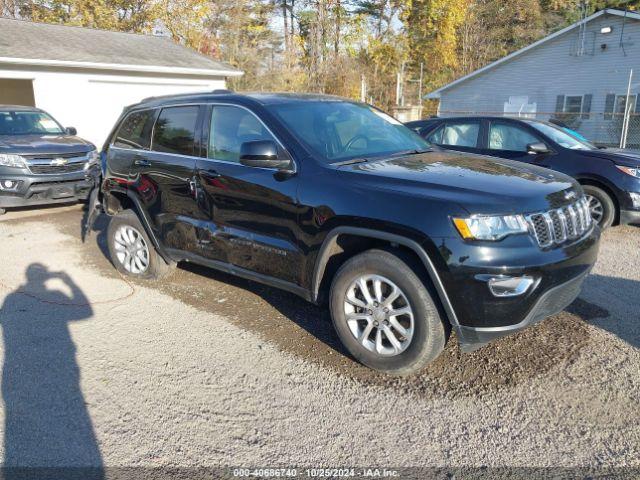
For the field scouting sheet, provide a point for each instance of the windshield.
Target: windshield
(28, 123)
(340, 131)
(562, 137)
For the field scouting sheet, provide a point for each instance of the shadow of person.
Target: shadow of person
(46, 419)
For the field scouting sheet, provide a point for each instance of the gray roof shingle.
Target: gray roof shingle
(39, 41)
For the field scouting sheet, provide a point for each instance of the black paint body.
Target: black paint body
(281, 227)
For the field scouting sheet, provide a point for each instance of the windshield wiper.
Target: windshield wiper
(415, 151)
(352, 161)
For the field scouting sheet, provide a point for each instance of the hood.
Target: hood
(35, 144)
(480, 184)
(627, 158)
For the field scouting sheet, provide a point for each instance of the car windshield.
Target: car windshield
(339, 131)
(562, 137)
(28, 123)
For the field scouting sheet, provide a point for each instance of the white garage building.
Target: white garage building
(85, 77)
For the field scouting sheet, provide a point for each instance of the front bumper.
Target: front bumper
(481, 315)
(552, 301)
(45, 189)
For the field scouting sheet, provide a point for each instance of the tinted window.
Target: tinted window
(335, 131)
(436, 135)
(461, 134)
(509, 137)
(28, 123)
(175, 130)
(230, 128)
(135, 131)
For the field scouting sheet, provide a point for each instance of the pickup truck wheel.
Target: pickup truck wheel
(601, 206)
(131, 250)
(385, 315)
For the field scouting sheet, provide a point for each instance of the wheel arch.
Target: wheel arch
(118, 200)
(330, 249)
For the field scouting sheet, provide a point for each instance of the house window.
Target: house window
(573, 104)
(621, 104)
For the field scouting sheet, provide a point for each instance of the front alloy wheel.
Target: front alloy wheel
(379, 315)
(384, 313)
(596, 209)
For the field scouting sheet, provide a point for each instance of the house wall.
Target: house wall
(92, 100)
(554, 69)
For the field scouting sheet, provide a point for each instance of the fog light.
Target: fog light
(635, 198)
(509, 286)
(8, 185)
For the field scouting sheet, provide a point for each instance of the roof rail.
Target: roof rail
(218, 91)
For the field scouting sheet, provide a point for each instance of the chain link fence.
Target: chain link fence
(601, 129)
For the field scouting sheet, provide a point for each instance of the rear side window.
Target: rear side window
(461, 134)
(175, 130)
(135, 131)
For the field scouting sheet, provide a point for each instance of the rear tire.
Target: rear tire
(419, 334)
(2, 211)
(601, 206)
(131, 250)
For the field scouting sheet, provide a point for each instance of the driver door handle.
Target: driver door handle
(141, 162)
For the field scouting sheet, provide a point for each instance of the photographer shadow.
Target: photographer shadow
(46, 419)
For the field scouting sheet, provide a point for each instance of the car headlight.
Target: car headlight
(491, 228)
(11, 160)
(634, 172)
(93, 158)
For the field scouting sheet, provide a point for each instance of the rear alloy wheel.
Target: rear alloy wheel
(131, 250)
(601, 206)
(384, 313)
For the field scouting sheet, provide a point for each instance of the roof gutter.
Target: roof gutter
(117, 66)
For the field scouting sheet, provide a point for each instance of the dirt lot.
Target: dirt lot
(205, 370)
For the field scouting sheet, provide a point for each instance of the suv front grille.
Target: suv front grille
(45, 164)
(561, 225)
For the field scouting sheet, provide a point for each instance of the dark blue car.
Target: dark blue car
(609, 177)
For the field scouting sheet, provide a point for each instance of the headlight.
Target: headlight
(634, 172)
(93, 158)
(11, 160)
(490, 228)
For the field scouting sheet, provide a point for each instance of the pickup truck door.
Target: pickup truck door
(248, 215)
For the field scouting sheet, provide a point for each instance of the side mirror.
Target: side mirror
(262, 154)
(71, 131)
(537, 148)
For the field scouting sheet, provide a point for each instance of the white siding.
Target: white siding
(92, 101)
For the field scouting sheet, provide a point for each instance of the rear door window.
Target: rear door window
(175, 130)
(461, 134)
(135, 131)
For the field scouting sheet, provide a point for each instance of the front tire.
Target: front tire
(131, 250)
(601, 206)
(385, 315)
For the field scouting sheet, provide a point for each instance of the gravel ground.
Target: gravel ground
(205, 369)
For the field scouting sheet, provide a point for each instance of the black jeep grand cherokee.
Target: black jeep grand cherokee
(332, 199)
(40, 161)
